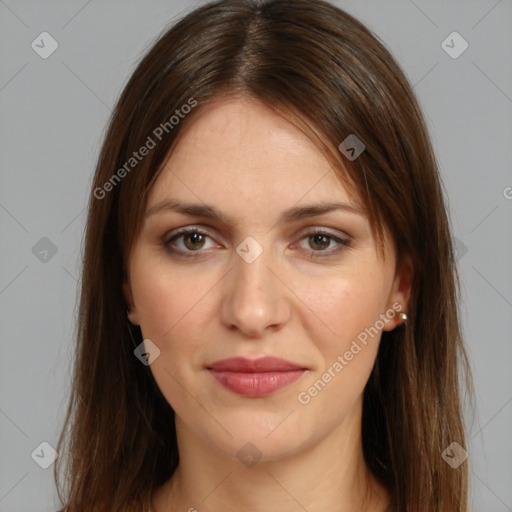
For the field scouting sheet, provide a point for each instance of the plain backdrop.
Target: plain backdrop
(53, 113)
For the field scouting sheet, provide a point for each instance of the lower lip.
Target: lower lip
(256, 384)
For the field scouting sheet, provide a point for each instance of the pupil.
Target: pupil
(195, 239)
(323, 239)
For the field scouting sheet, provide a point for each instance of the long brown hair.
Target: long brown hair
(322, 68)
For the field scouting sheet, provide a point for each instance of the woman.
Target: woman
(268, 317)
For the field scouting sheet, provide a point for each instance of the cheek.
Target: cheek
(156, 302)
(346, 307)
(349, 310)
(172, 304)
(345, 338)
(171, 308)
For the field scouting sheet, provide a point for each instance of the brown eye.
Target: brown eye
(193, 241)
(186, 241)
(319, 242)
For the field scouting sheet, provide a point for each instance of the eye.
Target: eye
(194, 240)
(320, 240)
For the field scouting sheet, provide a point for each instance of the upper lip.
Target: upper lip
(263, 364)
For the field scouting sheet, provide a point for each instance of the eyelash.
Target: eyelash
(343, 243)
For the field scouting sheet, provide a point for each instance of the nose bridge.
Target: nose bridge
(252, 277)
(254, 298)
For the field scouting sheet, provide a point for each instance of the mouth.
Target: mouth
(255, 377)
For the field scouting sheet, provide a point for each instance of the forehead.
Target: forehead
(238, 150)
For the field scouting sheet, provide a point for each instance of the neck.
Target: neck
(331, 475)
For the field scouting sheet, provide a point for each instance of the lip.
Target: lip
(261, 365)
(255, 377)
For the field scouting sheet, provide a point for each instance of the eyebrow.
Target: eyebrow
(289, 215)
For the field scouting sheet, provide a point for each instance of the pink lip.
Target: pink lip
(255, 377)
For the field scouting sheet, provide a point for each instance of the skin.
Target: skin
(252, 164)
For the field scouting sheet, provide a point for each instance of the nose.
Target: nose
(255, 299)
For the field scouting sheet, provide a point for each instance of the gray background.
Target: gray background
(52, 117)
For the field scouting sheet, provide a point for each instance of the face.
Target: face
(251, 283)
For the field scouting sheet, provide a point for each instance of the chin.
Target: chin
(257, 435)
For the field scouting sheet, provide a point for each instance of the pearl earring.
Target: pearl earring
(403, 318)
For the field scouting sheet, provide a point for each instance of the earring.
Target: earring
(403, 318)
(130, 328)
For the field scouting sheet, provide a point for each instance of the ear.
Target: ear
(132, 312)
(401, 291)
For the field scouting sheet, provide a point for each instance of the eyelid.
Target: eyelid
(325, 231)
(305, 231)
(185, 230)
